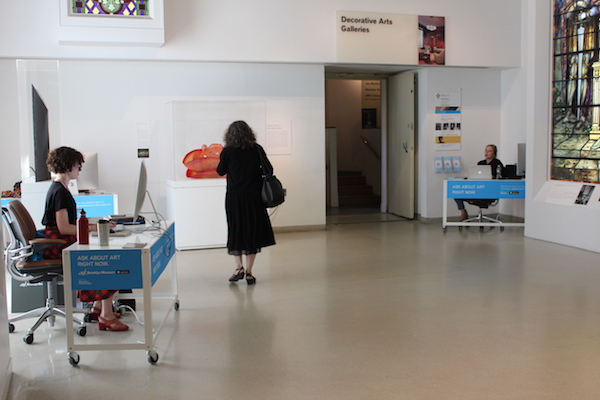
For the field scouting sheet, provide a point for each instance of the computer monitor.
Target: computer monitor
(88, 177)
(140, 195)
(41, 136)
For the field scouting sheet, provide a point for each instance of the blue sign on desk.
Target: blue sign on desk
(106, 269)
(120, 268)
(161, 252)
(486, 189)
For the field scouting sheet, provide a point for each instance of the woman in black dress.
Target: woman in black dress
(249, 227)
(60, 220)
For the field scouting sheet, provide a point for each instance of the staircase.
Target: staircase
(354, 191)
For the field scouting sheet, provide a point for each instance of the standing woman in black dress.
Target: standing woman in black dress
(249, 227)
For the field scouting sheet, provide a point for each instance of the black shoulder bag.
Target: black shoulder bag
(273, 193)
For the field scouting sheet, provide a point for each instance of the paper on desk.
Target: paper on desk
(136, 245)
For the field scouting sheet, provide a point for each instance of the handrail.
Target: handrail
(366, 142)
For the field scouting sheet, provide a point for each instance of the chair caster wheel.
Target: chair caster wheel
(11, 328)
(81, 331)
(87, 318)
(28, 338)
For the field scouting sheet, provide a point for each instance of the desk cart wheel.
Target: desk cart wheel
(11, 328)
(152, 357)
(28, 338)
(73, 358)
(176, 306)
(81, 331)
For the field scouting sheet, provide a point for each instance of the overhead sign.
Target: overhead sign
(368, 37)
(378, 38)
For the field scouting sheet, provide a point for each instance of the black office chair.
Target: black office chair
(483, 204)
(24, 262)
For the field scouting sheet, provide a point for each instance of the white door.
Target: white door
(401, 145)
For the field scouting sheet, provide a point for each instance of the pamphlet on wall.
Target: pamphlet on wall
(439, 164)
(448, 164)
(456, 163)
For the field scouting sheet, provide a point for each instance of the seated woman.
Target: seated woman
(60, 219)
(489, 157)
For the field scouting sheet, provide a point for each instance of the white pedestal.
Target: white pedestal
(198, 208)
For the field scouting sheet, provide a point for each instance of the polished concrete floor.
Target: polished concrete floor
(376, 309)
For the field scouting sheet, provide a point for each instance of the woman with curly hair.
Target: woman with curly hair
(249, 227)
(60, 219)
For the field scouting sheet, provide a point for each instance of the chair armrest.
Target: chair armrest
(43, 243)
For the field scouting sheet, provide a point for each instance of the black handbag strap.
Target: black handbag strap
(265, 166)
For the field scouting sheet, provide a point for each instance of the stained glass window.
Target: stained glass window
(131, 8)
(576, 91)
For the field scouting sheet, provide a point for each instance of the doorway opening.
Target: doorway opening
(356, 115)
(353, 120)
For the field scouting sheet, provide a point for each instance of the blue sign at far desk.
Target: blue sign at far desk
(486, 189)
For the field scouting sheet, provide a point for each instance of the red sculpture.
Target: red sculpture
(202, 163)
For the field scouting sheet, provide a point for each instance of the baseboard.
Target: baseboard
(299, 228)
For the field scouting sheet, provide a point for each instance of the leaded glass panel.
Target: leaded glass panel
(129, 8)
(576, 91)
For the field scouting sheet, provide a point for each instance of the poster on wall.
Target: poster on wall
(448, 121)
(432, 40)
(279, 137)
(370, 103)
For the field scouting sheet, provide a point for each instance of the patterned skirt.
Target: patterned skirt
(55, 252)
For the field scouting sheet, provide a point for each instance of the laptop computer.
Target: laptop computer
(480, 172)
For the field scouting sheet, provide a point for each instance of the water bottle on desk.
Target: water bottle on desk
(498, 172)
(83, 229)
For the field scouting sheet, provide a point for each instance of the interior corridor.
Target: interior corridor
(390, 309)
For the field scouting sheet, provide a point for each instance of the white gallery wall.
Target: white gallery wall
(134, 114)
(269, 31)
(480, 119)
(100, 104)
(231, 51)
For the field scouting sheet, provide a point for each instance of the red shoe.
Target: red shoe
(93, 315)
(111, 325)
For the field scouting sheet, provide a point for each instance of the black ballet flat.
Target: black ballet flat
(237, 275)
(250, 280)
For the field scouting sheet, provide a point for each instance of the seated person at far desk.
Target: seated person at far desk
(490, 153)
(60, 219)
